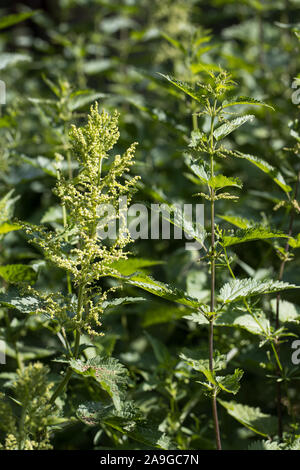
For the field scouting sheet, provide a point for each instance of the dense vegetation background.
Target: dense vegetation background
(63, 56)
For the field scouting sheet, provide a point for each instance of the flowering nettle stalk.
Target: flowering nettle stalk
(29, 431)
(77, 248)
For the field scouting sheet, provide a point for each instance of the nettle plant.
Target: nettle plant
(76, 310)
(239, 303)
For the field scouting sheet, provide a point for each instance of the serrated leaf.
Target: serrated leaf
(198, 169)
(238, 289)
(187, 88)
(230, 383)
(93, 413)
(15, 273)
(28, 304)
(160, 289)
(231, 125)
(237, 318)
(108, 372)
(266, 168)
(265, 445)
(245, 100)
(221, 181)
(252, 418)
(127, 420)
(250, 234)
(240, 222)
(198, 359)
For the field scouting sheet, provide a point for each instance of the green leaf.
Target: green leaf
(197, 169)
(8, 227)
(249, 234)
(198, 359)
(238, 318)
(127, 420)
(240, 222)
(295, 242)
(14, 273)
(187, 88)
(266, 168)
(108, 372)
(160, 289)
(28, 304)
(265, 445)
(252, 418)
(230, 383)
(238, 289)
(221, 181)
(241, 319)
(11, 20)
(174, 42)
(245, 100)
(288, 312)
(230, 126)
(131, 265)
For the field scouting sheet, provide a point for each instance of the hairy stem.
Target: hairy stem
(61, 386)
(277, 321)
(212, 285)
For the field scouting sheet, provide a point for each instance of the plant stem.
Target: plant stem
(59, 389)
(277, 321)
(212, 286)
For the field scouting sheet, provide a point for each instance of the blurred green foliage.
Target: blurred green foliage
(56, 59)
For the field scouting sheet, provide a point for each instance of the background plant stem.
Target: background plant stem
(277, 321)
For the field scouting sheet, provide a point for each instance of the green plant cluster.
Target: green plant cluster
(144, 344)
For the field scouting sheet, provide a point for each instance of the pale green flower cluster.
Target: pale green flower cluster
(77, 248)
(28, 427)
